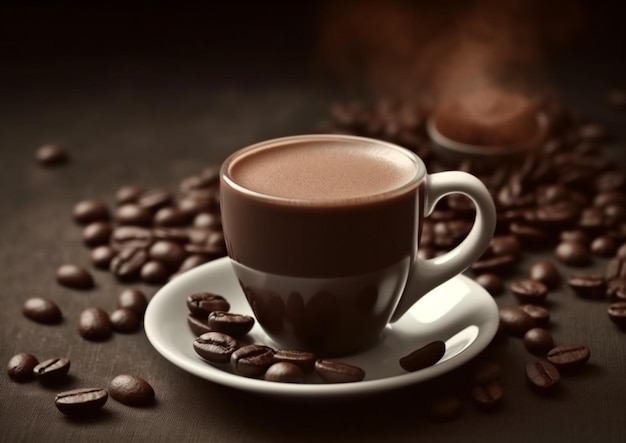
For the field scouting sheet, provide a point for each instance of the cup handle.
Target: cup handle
(425, 275)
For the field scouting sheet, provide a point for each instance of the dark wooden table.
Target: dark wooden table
(152, 112)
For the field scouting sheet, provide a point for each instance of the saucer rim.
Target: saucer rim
(154, 314)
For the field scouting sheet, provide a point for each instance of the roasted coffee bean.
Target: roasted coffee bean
(621, 252)
(593, 131)
(338, 372)
(545, 272)
(616, 268)
(75, 277)
(573, 254)
(284, 372)
(531, 237)
(82, 401)
(423, 357)
(538, 341)
(617, 313)
(488, 396)
(568, 356)
(252, 360)
(51, 155)
(131, 214)
(616, 289)
(125, 320)
(42, 310)
(169, 253)
(588, 285)
(20, 367)
(207, 220)
(133, 299)
(192, 206)
(486, 372)
(493, 264)
(170, 216)
(97, 234)
(89, 211)
(131, 237)
(542, 375)
(131, 390)
(539, 314)
(608, 198)
(603, 246)
(235, 325)
(444, 408)
(127, 264)
(215, 347)
(198, 325)
(128, 194)
(94, 324)
(305, 360)
(52, 370)
(576, 236)
(491, 282)
(529, 291)
(101, 257)
(154, 272)
(155, 199)
(617, 99)
(203, 303)
(515, 321)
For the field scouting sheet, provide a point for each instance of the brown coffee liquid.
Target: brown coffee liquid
(315, 170)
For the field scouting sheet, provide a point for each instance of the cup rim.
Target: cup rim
(227, 179)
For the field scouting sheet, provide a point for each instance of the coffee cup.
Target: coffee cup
(323, 234)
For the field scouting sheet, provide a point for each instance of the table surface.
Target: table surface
(152, 117)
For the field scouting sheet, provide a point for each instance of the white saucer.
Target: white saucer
(459, 312)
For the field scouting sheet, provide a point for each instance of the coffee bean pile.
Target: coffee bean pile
(221, 340)
(150, 235)
(130, 390)
(567, 198)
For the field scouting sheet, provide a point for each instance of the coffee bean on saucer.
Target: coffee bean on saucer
(538, 341)
(491, 282)
(444, 408)
(75, 277)
(542, 375)
(94, 324)
(515, 321)
(133, 299)
(617, 313)
(529, 291)
(338, 372)
(89, 211)
(252, 360)
(568, 357)
(545, 272)
(573, 254)
(215, 347)
(203, 303)
(539, 314)
(305, 360)
(81, 401)
(423, 357)
(42, 310)
(131, 390)
(198, 325)
(284, 372)
(52, 370)
(588, 285)
(101, 257)
(125, 320)
(20, 367)
(51, 155)
(235, 325)
(487, 396)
